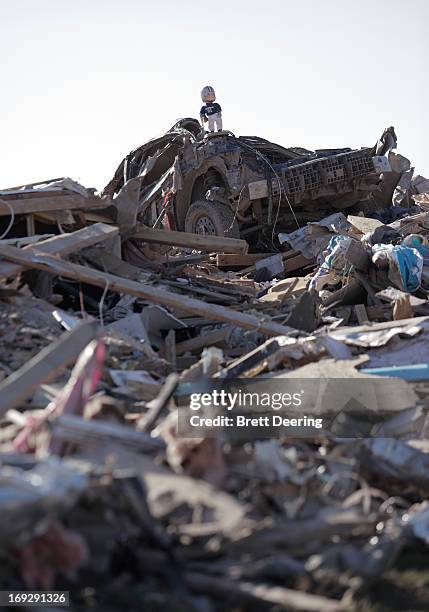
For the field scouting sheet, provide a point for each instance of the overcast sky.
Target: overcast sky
(86, 81)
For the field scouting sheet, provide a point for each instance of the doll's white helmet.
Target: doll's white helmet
(208, 94)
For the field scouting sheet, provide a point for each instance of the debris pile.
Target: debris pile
(107, 308)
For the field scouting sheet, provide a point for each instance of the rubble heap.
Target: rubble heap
(104, 316)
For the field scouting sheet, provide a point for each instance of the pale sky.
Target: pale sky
(86, 81)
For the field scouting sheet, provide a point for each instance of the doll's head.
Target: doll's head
(208, 94)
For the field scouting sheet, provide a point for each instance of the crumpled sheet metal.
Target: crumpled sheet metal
(377, 337)
(400, 352)
(401, 195)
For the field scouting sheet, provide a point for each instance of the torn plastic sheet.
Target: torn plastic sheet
(420, 243)
(313, 239)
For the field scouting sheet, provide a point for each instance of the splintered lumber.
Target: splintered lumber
(238, 261)
(297, 262)
(37, 259)
(44, 366)
(157, 405)
(76, 429)
(197, 344)
(361, 314)
(64, 244)
(201, 242)
(36, 203)
(249, 360)
(292, 260)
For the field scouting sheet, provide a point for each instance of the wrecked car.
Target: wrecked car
(224, 185)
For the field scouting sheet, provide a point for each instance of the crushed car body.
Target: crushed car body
(221, 184)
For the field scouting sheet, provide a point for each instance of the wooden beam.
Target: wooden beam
(361, 314)
(159, 403)
(37, 259)
(239, 261)
(249, 360)
(292, 260)
(28, 185)
(44, 366)
(216, 336)
(297, 262)
(24, 206)
(211, 244)
(71, 428)
(64, 244)
(170, 349)
(290, 264)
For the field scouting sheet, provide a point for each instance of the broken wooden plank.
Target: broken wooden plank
(30, 185)
(361, 314)
(170, 349)
(44, 366)
(23, 206)
(212, 295)
(290, 264)
(297, 262)
(157, 405)
(76, 429)
(238, 261)
(64, 244)
(249, 360)
(365, 225)
(107, 261)
(157, 295)
(216, 336)
(201, 242)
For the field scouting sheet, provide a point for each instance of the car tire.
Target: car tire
(212, 219)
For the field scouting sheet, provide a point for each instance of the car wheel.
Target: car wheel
(211, 218)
